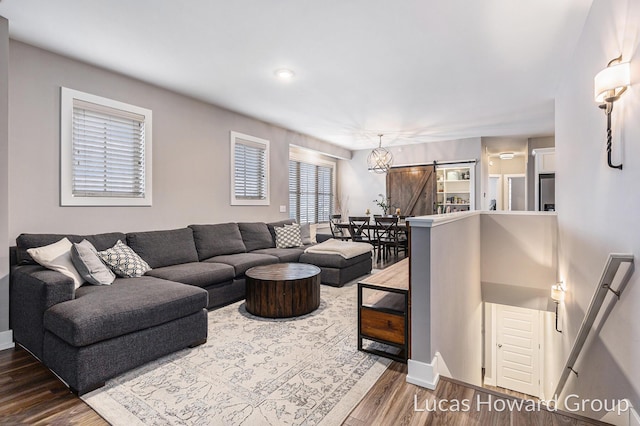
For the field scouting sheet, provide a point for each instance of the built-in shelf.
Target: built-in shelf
(455, 189)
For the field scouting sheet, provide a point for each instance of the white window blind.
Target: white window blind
(250, 168)
(310, 192)
(105, 151)
(108, 152)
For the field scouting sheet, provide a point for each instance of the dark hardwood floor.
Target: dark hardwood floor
(31, 395)
(393, 401)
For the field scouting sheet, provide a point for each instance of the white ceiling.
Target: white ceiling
(415, 70)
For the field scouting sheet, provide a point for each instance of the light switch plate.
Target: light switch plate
(283, 209)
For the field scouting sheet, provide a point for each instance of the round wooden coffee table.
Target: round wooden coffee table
(283, 290)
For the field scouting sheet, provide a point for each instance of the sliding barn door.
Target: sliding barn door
(412, 189)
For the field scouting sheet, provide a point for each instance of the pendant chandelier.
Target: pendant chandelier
(380, 159)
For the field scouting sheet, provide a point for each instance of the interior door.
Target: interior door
(518, 351)
(412, 189)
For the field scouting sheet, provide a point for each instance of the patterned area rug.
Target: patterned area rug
(253, 371)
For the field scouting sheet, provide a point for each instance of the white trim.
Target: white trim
(6, 340)
(67, 97)
(423, 374)
(306, 155)
(442, 219)
(491, 381)
(258, 141)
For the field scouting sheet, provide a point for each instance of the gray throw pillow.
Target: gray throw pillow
(85, 258)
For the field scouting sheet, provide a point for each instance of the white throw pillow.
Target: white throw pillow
(57, 257)
(313, 230)
(288, 236)
(124, 261)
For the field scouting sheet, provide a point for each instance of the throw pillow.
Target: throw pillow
(57, 257)
(314, 233)
(305, 232)
(124, 261)
(85, 258)
(288, 236)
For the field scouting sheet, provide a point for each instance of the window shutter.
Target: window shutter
(108, 148)
(310, 192)
(250, 171)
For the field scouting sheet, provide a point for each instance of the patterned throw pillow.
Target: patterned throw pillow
(124, 261)
(288, 236)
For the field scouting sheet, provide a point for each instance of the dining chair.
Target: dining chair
(359, 229)
(337, 232)
(389, 236)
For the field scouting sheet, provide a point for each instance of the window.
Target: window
(310, 190)
(249, 170)
(105, 152)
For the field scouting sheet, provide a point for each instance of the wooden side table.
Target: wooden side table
(383, 312)
(283, 290)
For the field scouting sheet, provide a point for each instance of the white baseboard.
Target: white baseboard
(627, 416)
(634, 418)
(423, 374)
(6, 340)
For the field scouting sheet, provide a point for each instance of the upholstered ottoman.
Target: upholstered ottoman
(339, 261)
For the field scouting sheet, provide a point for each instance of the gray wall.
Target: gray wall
(358, 187)
(191, 174)
(598, 206)
(190, 152)
(456, 300)
(4, 174)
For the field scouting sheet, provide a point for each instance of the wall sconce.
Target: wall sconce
(557, 294)
(609, 84)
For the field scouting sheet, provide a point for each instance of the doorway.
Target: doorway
(515, 192)
(495, 192)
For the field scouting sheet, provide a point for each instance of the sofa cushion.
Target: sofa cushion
(27, 241)
(102, 312)
(218, 239)
(332, 260)
(86, 260)
(256, 235)
(201, 274)
(164, 248)
(124, 261)
(283, 255)
(243, 261)
(272, 225)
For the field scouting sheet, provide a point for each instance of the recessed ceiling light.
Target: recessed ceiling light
(284, 74)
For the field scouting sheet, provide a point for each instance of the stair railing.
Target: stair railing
(604, 286)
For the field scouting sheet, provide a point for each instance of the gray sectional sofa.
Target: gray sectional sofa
(94, 333)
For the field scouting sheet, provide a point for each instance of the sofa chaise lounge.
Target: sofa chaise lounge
(93, 333)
